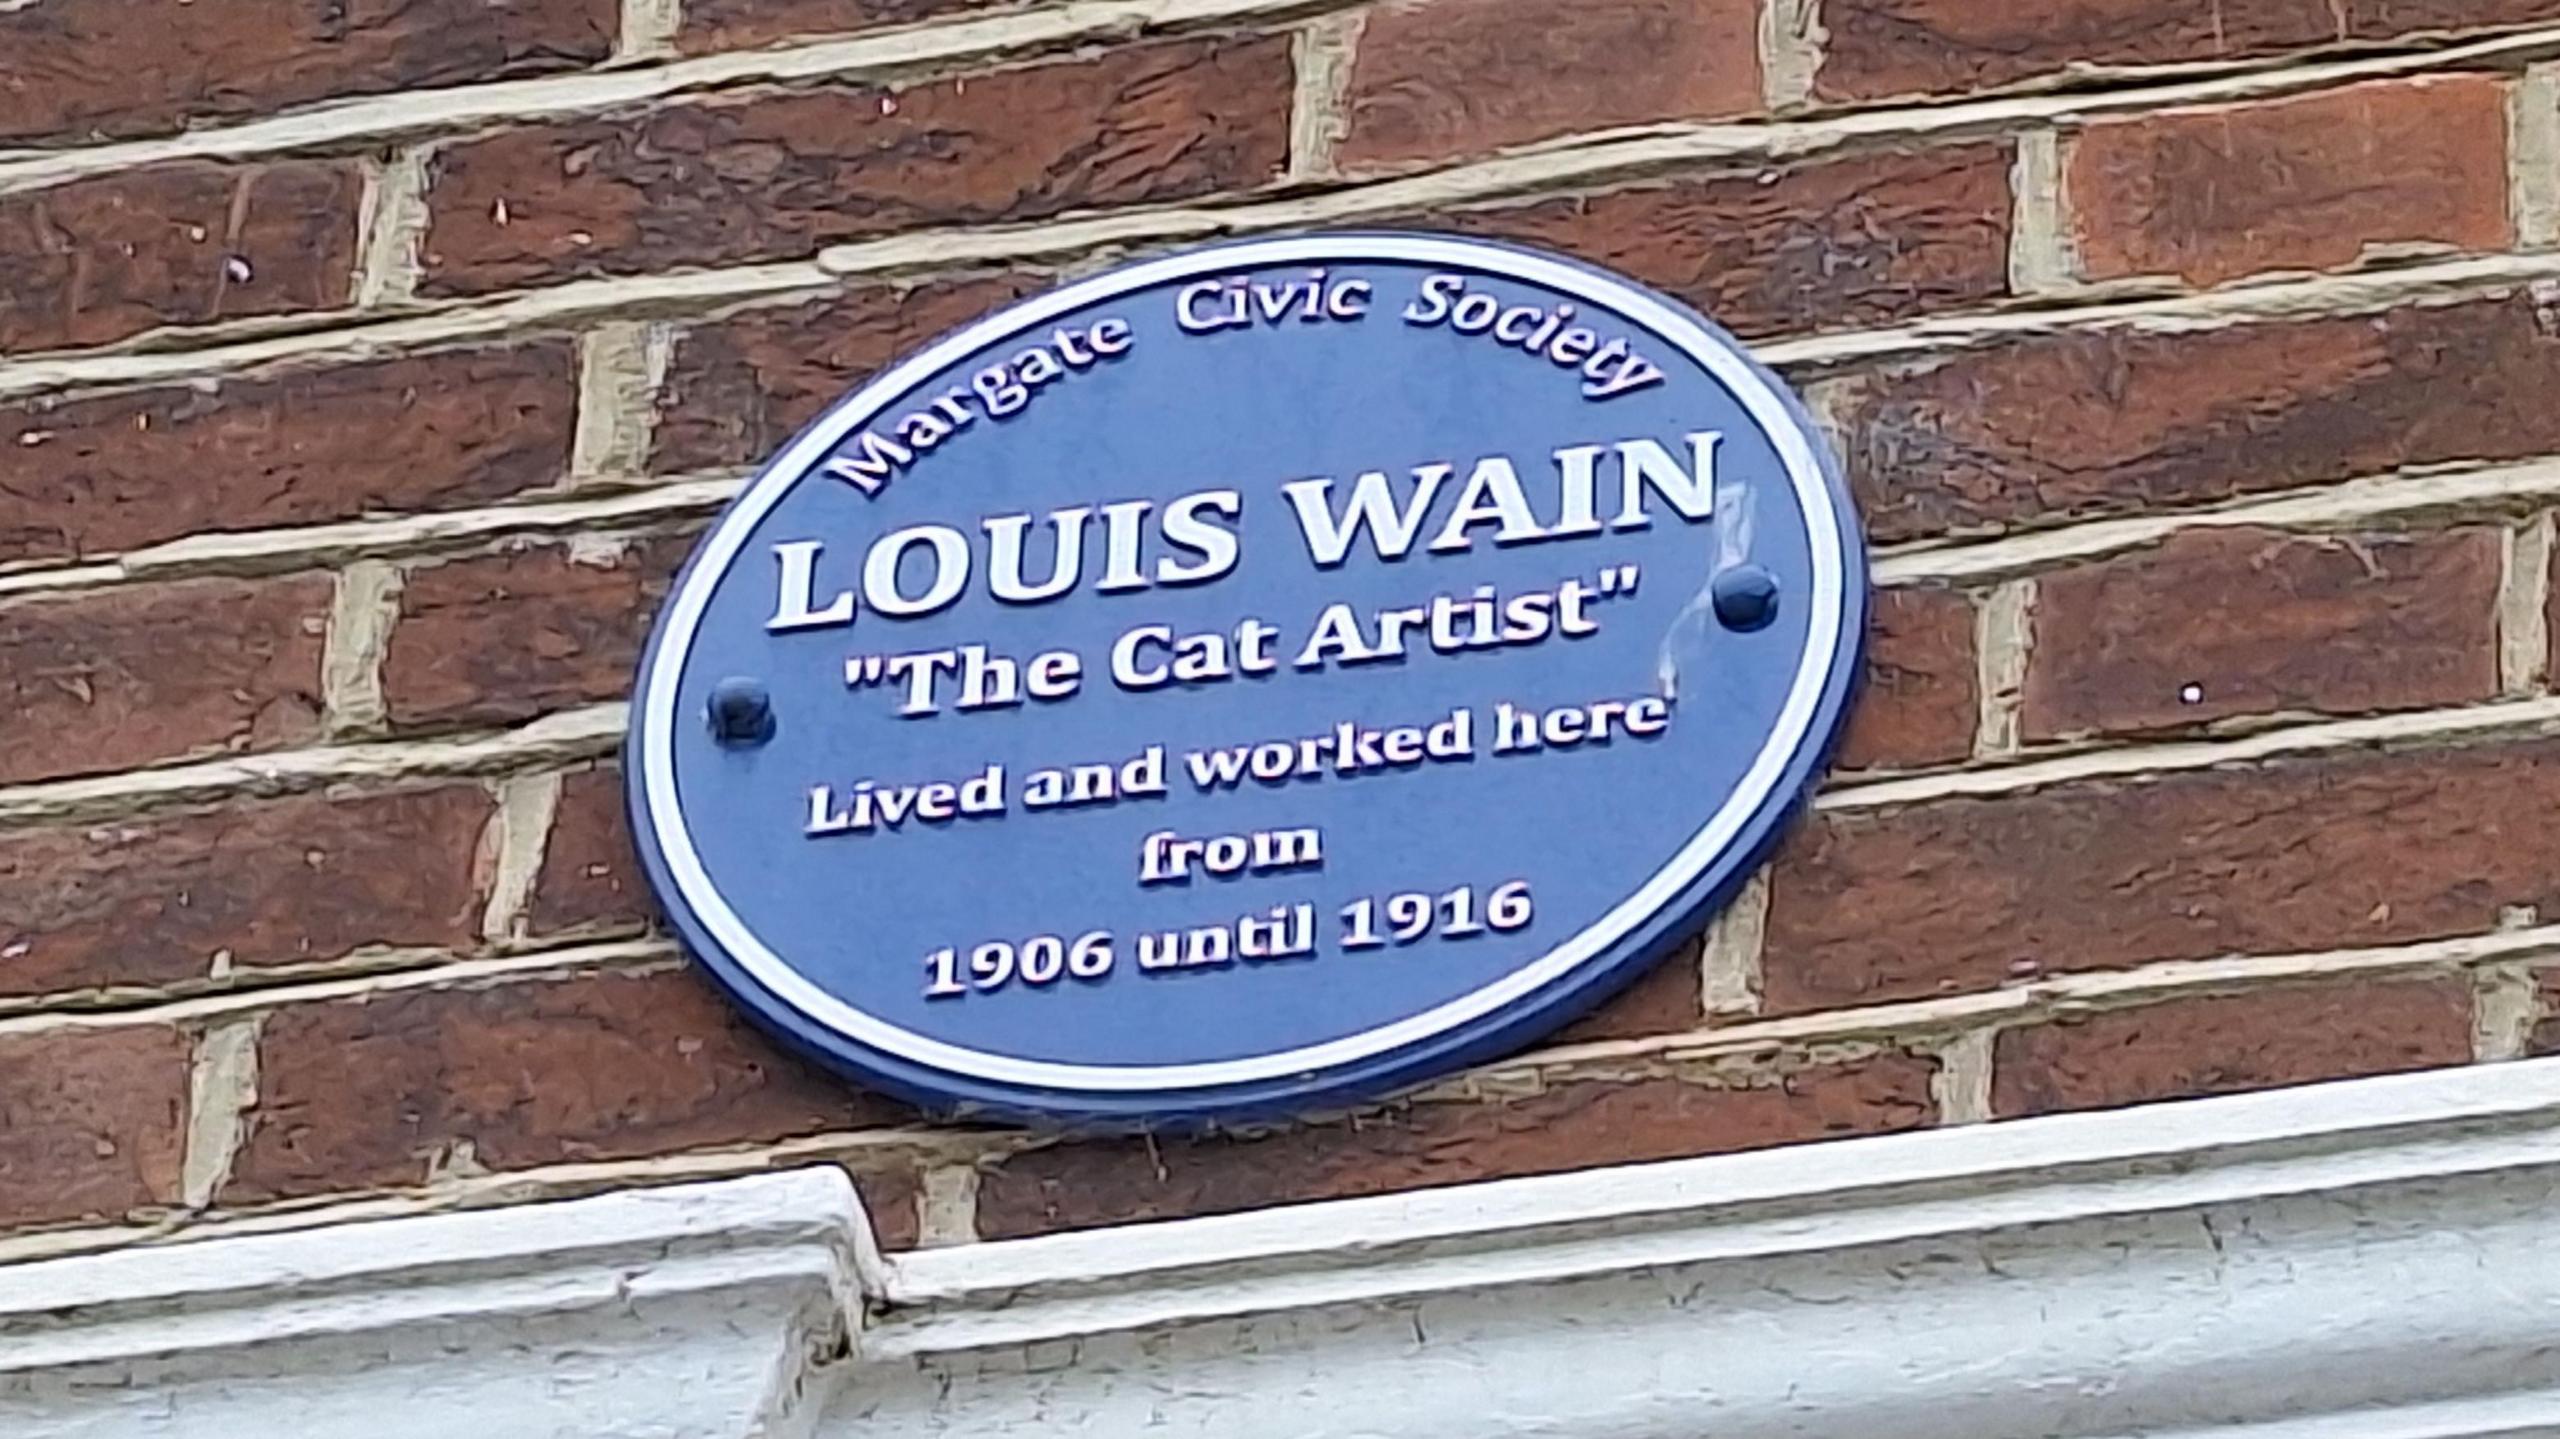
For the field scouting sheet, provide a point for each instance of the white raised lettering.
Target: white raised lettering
(1372, 507)
(793, 608)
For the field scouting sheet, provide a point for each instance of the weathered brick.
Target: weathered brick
(2551, 614)
(2088, 423)
(2225, 1044)
(94, 474)
(2385, 19)
(98, 260)
(1446, 79)
(1899, 47)
(385, 1090)
(2319, 852)
(778, 176)
(2312, 182)
(737, 388)
(590, 880)
(2251, 621)
(1570, 1124)
(155, 900)
(735, 24)
(890, 1194)
(83, 69)
(1921, 703)
(129, 676)
(92, 1123)
(2546, 1029)
(1827, 245)
(500, 638)
(1669, 998)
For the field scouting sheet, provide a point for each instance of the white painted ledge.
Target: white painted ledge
(2372, 1260)
(683, 1313)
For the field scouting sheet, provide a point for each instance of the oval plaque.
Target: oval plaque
(1245, 681)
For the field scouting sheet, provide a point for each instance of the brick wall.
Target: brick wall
(363, 380)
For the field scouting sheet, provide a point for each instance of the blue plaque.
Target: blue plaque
(1246, 681)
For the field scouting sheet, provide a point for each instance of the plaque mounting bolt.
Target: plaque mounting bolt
(741, 713)
(1746, 598)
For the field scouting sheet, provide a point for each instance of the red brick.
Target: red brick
(129, 676)
(1570, 1124)
(2314, 853)
(2261, 622)
(737, 388)
(2546, 1029)
(2226, 1044)
(2386, 19)
(1447, 79)
(153, 901)
(1898, 47)
(890, 1194)
(736, 24)
(536, 627)
(773, 177)
(2551, 614)
(378, 1092)
(590, 881)
(2315, 182)
(94, 474)
(1921, 702)
(92, 1123)
(1669, 998)
(81, 69)
(1829, 245)
(99, 260)
(2089, 423)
